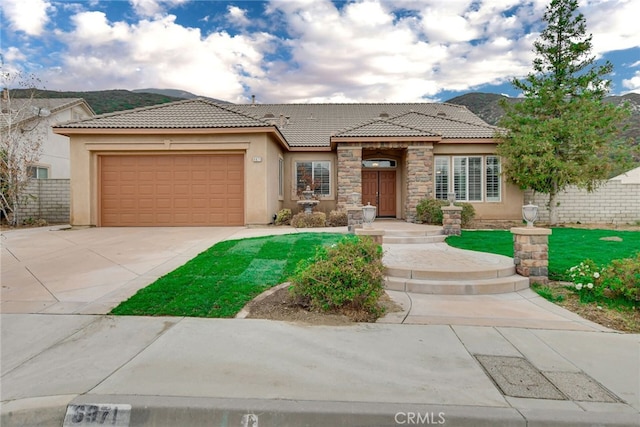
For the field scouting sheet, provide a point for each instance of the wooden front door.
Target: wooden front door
(379, 189)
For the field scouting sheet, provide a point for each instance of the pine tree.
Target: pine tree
(562, 133)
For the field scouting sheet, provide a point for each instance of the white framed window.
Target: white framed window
(442, 177)
(38, 172)
(280, 177)
(316, 175)
(492, 186)
(472, 178)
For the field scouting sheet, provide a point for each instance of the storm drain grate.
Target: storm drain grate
(517, 377)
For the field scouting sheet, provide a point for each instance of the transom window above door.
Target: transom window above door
(379, 163)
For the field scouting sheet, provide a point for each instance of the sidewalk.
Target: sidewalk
(496, 360)
(203, 372)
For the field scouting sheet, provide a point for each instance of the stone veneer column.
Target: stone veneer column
(349, 174)
(419, 178)
(452, 220)
(531, 253)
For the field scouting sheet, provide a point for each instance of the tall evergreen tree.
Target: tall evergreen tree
(562, 133)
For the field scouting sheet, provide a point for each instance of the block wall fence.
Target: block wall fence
(48, 199)
(613, 203)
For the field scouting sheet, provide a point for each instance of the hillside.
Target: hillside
(177, 93)
(104, 101)
(487, 107)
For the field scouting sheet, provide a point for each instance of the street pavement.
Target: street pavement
(494, 360)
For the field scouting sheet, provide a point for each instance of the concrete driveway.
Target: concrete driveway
(59, 270)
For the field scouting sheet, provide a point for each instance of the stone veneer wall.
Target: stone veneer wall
(49, 199)
(349, 174)
(419, 166)
(613, 203)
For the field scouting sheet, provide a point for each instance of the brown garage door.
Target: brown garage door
(172, 190)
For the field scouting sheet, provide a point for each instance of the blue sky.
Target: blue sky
(300, 50)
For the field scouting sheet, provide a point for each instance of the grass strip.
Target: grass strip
(221, 280)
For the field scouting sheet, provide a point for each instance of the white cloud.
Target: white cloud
(158, 53)
(319, 50)
(339, 55)
(614, 24)
(154, 8)
(237, 16)
(29, 16)
(632, 84)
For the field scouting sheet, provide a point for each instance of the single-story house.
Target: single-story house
(196, 162)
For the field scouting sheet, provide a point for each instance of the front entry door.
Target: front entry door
(379, 189)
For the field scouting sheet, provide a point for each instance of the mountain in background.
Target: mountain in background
(177, 93)
(103, 101)
(487, 107)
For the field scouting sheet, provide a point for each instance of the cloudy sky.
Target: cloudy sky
(300, 50)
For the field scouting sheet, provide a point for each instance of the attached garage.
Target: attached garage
(171, 190)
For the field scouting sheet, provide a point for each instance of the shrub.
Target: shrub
(587, 280)
(347, 277)
(337, 219)
(430, 211)
(468, 213)
(313, 220)
(283, 217)
(622, 278)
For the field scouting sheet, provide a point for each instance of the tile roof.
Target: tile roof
(28, 108)
(304, 125)
(312, 125)
(188, 114)
(384, 128)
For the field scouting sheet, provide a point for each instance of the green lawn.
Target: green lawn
(222, 279)
(567, 246)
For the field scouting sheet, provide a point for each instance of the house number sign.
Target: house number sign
(97, 414)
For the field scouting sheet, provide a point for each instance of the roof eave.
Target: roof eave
(357, 139)
(68, 131)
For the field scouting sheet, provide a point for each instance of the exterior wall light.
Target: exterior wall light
(530, 213)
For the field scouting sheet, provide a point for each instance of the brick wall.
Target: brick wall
(50, 199)
(613, 203)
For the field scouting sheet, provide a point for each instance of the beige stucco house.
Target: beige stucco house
(195, 162)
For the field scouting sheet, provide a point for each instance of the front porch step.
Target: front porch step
(438, 268)
(447, 274)
(414, 239)
(458, 287)
(432, 235)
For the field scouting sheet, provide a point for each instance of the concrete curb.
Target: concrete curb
(242, 314)
(161, 411)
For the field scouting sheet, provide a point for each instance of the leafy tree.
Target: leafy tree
(562, 133)
(23, 128)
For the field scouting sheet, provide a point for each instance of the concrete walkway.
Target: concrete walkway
(507, 359)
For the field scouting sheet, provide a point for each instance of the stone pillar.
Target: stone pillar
(349, 174)
(354, 218)
(452, 220)
(419, 177)
(531, 253)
